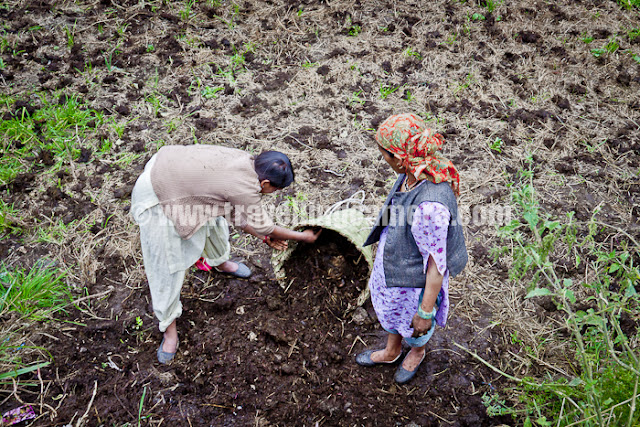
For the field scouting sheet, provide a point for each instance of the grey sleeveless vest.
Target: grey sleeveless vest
(403, 263)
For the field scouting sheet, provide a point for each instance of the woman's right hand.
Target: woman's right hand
(310, 235)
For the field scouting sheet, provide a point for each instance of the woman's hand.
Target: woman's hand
(277, 244)
(420, 326)
(310, 236)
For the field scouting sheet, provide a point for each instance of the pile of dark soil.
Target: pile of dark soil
(255, 353)
(332, 272)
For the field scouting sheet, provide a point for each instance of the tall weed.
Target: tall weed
(605, 367)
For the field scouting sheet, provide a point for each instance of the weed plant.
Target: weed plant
(496, 145)
(54, 127)
(236, 63)
(629, 4)
(386, 90)
(37, 293)
(605, 368)
(233, 15)
(8, 217)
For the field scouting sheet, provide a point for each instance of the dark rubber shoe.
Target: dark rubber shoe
(403, 376)
(164, 357)
(243, 272)
(364, 359)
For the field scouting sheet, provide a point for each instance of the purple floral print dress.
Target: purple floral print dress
(396, 306)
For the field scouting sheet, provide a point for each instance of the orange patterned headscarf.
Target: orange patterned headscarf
(408, 139)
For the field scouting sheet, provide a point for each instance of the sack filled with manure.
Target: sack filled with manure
(337, 259)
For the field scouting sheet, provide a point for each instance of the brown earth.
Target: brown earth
(312, 85)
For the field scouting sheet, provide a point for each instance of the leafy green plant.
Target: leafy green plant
(236, 63)
(586, 38)
(15, 359)
(410, 52)
(122, 29)
(491, 5)
(496, 145)
(209, 92)
(355, 98)
(156, 102)
(172, 125)
(297, 205)
(37, 293)
(386, 90)
(137, 329)
(593, 147)
(55, 233)
(468, 81)
(603, 385)
(477, 17)
(140, 417)
(629, 4)
(354, 30)
(70, 34)
(105, 145)
(8, 219)
(185, 13)
(118, 127)
(612, 46)
(496, 407)
(55, 127)
(10, 166)
(408, 96)
(126, 158)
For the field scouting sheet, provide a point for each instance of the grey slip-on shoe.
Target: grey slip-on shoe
(364, 359)
(403, 376)
(163, 356)
(243, 272)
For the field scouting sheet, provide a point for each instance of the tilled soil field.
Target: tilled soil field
(550, 86)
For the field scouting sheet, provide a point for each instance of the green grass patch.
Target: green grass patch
(8, 216)
(586, 38)
(57, 127)
(386, 90)
(37, 293)
(629, 4)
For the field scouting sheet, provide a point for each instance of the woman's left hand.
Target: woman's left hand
(277, 244)
(420, 326)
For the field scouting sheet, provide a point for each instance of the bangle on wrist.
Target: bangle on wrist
(426, 316)
(264, 239)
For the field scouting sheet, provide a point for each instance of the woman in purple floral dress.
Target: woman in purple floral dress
(410, 284)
